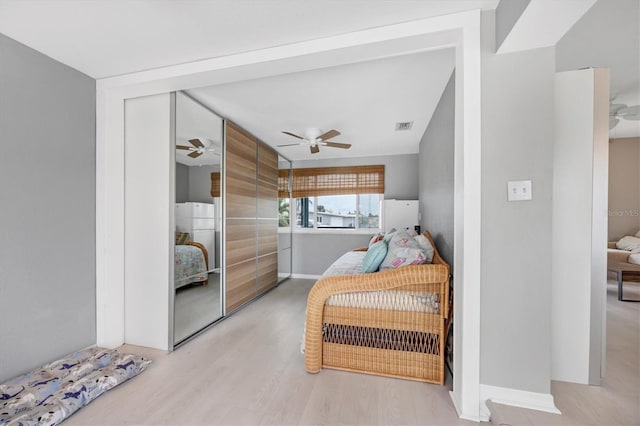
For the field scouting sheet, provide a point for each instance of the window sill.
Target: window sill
(330, 231)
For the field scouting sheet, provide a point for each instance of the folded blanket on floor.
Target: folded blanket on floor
(48, 395)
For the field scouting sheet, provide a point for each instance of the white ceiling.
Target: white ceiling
(103, 38)
(363, 101)
(194, 121)
(608, 36)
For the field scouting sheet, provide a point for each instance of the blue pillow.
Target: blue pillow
(374, 257)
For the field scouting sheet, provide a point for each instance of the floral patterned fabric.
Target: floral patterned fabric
(49, 395)
(190, 266)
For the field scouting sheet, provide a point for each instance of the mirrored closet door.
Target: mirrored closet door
(284, 218)
(198, 217)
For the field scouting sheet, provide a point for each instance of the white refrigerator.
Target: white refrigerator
(399, 214)
(198, 219)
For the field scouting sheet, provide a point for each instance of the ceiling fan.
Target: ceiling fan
(197, 148)
(315, 138)
(624, 112)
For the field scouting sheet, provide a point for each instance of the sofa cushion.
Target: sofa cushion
(403, 250)
(634, 258)
(374, 257)
(629, 243)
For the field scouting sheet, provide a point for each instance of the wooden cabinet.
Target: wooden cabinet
(251, 222)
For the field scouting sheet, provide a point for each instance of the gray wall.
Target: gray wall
(200, 183)
(313, 253)
(182, 183)
(624, 187)
(436, 176)
(47, 228)
(517, 144)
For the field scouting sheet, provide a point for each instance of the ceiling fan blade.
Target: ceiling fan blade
(293, 134)
(338, 145)
(328, 135)
(314, 149)
(194, 154)
(183, 147)
(291, 144)
(632, 110)
(614, 108)
(613, 122)
(196, 143)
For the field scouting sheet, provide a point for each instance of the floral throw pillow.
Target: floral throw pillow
(403, 250)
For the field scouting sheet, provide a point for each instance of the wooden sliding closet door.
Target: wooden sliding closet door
(267, 217)
(240, 226)
(251, 223)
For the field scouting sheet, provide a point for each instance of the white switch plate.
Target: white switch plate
(519, 190)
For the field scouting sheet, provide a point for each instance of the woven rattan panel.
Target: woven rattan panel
(381, 338)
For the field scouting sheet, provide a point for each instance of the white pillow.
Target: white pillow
(634, 258)
(629, 243)
(425, 245)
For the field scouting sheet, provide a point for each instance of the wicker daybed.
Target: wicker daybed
(386, 337)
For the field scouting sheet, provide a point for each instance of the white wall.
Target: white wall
(579, 224)
(517, 144)
(624, 187)
(148, 274)
(47, 199)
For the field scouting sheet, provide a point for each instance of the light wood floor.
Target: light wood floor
(248, 370)
(617, 401)
(196, 306)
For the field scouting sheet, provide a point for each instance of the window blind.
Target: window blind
(320, 181)
(283, 183)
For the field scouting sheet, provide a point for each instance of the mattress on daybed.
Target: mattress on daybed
(190, 265)
(351, 263)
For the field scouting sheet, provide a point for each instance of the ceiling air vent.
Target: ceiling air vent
(404, 125)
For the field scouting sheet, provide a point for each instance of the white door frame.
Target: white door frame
(460, 31)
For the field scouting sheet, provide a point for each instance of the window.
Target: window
(333, 197)
(357, 211)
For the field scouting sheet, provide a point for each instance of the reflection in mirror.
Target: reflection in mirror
(199, 134)
(284, 219)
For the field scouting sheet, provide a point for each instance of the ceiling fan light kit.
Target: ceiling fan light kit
(314, 138)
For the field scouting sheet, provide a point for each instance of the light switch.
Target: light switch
(519, 190)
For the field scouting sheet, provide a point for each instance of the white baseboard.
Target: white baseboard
(306, 277)
(515, 398)
(460, 413)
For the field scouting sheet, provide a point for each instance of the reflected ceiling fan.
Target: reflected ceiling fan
(197, 148)
(619, 112)
(314, 138)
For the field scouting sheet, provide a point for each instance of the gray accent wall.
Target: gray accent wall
(517, 144)
(47, 224)
(314, 252)
(200, 183)
(182, 183)
(436, 177)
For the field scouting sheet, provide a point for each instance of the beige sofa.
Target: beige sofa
(618, 264)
